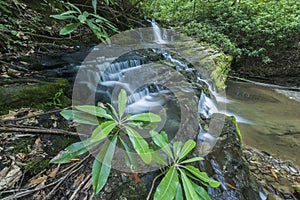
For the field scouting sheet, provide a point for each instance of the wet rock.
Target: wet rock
(226, 164)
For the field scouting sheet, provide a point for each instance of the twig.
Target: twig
(36, 115)
(25, 193)
(73, 170)
(41, 131)
(152, 186)
(80, 186)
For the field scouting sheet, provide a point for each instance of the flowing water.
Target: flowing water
(269, 119)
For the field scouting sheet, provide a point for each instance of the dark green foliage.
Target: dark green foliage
(255, 29)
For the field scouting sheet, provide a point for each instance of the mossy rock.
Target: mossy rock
(35, 94)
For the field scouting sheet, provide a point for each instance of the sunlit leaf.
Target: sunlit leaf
(187, 148)
(79, 117)
(103, 130)
(69, 28)
(94, 110)
(192, 160)
(145, 117)
(202, 176)
(189, 191)
(160, 141)
(179, 195)
(201, 192)
(139, 144)
(75, 149)
(102, 164)
(122, 102)
(168, 186)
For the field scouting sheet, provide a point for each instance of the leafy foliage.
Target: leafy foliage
(111, 127)
(97, 24)
(116, 126)
(246, 29)
(180, 175)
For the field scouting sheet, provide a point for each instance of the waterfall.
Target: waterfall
(157, 33)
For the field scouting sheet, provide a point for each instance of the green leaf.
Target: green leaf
(122, 101)
(69, 12)
(102, 164)
(96, 30)
(103, 130)
(139, 144)
(94, 110)
(177, 148)
(69, 28)
(187, 148)
(201, 192)
(145, 117)
(179, 195)
(189, 190)
(63, 17)
(73, 150)
(192, 160)
(129, 156)
(168, 186)
(202, 176)
(75, 7)
(158, 158)
(79, 117)
(160, 141)
(113, 110)
(82, 19)
(94, 3)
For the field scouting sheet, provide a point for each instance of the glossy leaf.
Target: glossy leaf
(189, 190)
(94, 110)
(79, 117)
(122, 102)
(187, 148)
(179, 195)
(201, 192)
(103, 130)
(129, 156)
(102, 164)
(160, 141)
(202, 176)
(139, 144)
(192, 160)
(168, 186)
(145, 117)
(73, 150)
(69, 28)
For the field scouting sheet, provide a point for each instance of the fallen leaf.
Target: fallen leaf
(38, 181)
(53, 172)
(79, 179)
(9, 176)
(274, 174)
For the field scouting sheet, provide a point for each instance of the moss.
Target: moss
(35, 95)
(22, 145)
(36, 165)
(233, 119)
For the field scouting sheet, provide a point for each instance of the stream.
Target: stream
(269, 119)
